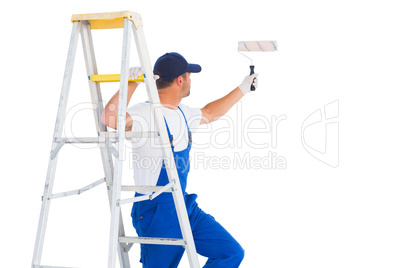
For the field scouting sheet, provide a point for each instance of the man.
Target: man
(158, 218)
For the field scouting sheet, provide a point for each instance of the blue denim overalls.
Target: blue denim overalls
(158, 218)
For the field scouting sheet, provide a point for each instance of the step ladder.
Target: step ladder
(119, 244)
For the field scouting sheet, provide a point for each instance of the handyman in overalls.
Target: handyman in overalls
(157, 217)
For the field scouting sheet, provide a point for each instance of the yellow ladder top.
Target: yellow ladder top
(109, 20)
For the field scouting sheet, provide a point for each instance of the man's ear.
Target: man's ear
(179, 80)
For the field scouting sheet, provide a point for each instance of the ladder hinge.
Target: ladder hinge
(56, 150)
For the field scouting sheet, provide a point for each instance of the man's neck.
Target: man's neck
(169, 100)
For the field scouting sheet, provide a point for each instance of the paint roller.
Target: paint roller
(255, 46)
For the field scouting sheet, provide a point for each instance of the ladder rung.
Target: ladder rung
(80, 140)
(108, 20)
(131, 134)
(46, 266)
(152, 240)
(102, 78)
(111, 135)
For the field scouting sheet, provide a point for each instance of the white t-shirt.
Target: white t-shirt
(147, 154)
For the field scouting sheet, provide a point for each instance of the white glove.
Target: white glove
(134, 72)
(249, 80)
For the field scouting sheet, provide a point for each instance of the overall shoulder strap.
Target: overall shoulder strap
(190, 139)
(170, 135)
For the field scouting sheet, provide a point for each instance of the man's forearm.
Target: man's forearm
(214, 110)
(110, 113)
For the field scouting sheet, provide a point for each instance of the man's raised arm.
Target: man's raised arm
(110, 113)
(214, 110)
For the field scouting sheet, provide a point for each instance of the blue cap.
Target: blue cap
(172, 65)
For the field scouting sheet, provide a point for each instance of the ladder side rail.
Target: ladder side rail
(166, 148)
(91, 67)
(44, 213)
(120, 144)
(96, 97)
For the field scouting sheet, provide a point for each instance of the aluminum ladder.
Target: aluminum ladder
(119, 244)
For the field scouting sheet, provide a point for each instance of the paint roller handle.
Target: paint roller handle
(252, 88)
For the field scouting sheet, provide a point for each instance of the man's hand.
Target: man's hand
(249, 80)
(135, 72)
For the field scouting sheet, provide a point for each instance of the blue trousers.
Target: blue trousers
(159, 219)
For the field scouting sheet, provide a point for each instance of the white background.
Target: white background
(308, 214)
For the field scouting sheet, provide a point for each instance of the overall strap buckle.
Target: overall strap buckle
(171, 141)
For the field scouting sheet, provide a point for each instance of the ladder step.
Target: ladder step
(152, 240)
(111, 135)
(80, 140)
(46, 266)
(109, 20)
(103, 78)
(131, 134)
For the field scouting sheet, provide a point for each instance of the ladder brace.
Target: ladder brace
(112, 149)
(78, 191)
(149, 197)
